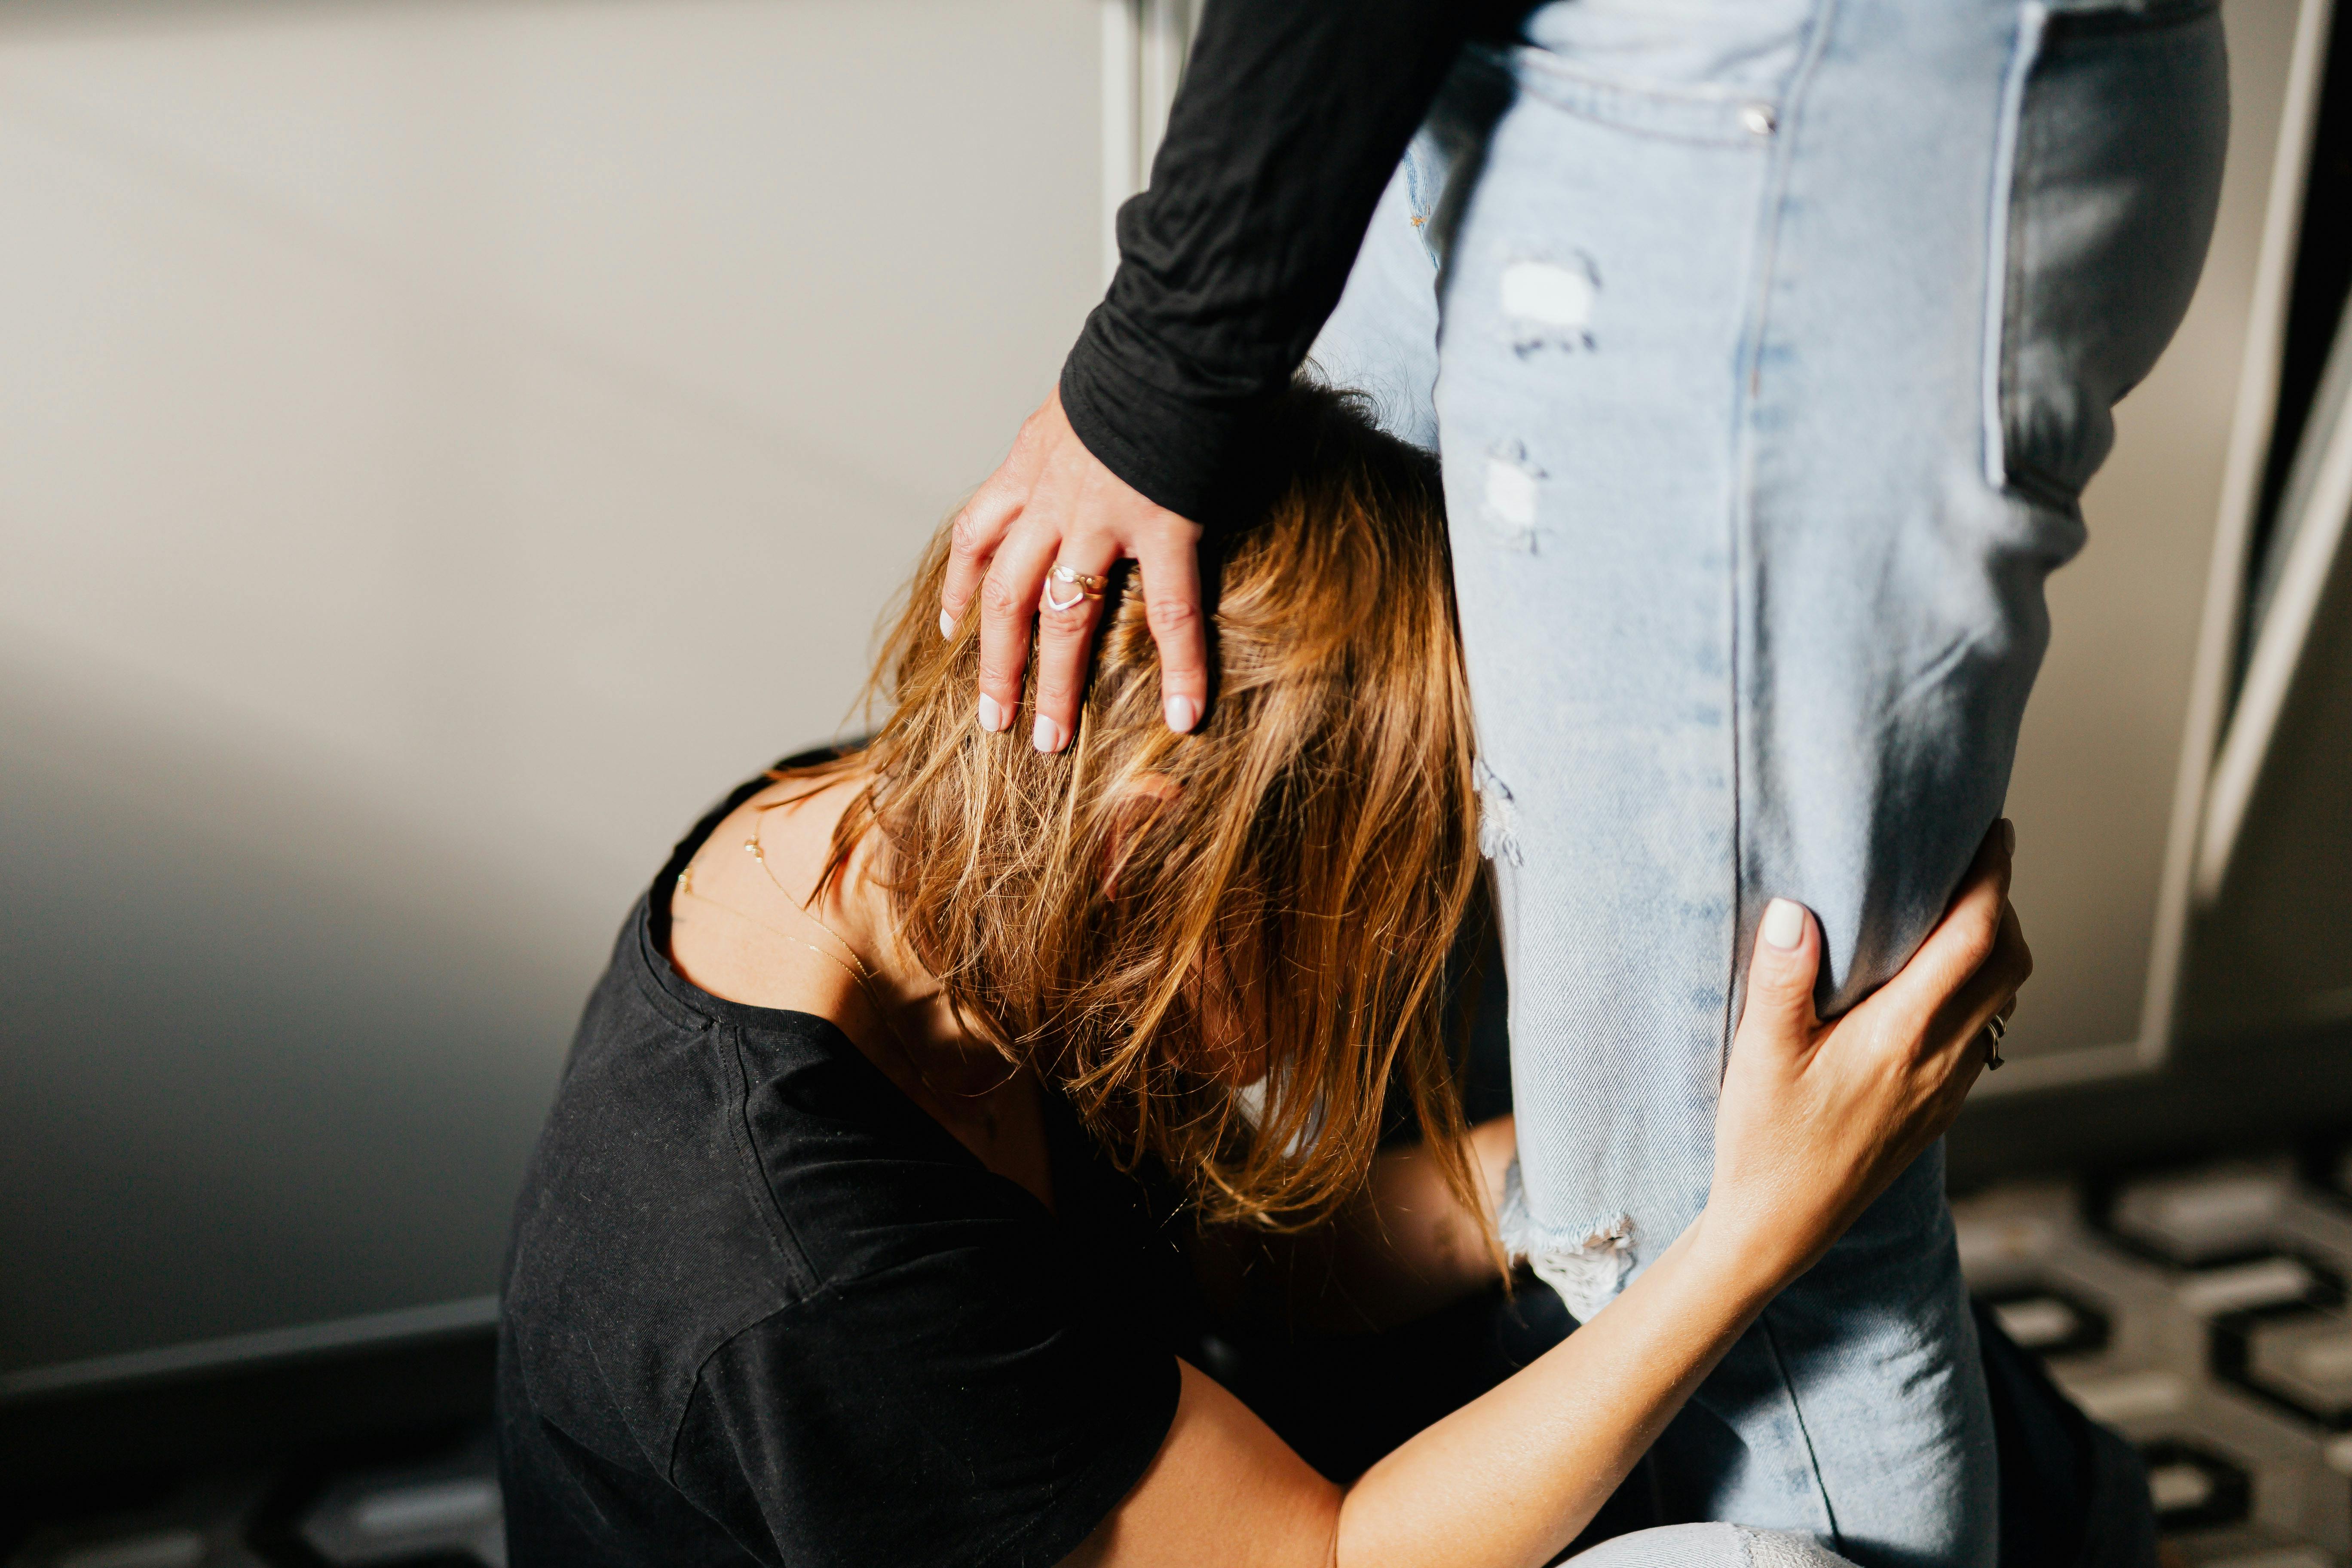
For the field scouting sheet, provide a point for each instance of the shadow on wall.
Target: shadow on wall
(2273, 951)
(269, 1052)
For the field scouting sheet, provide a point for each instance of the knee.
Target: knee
(1709, 1546)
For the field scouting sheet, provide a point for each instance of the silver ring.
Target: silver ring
(1993, 1030)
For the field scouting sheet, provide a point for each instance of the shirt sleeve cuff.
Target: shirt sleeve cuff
(1172, 447)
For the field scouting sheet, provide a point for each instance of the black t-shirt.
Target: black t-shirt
(761, 1307)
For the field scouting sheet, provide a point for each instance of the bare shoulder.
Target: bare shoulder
(735, 918)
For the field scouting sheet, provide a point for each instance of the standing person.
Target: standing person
(1768, 346)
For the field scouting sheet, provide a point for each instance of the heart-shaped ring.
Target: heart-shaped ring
(1087, 584)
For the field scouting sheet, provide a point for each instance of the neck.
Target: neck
(856, 907)
(765, 933)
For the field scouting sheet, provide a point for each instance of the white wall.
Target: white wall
(441, 447)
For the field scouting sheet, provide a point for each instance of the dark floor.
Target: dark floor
(2200, 1310)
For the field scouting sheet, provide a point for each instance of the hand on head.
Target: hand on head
(1052, 503)
(1815, 1120)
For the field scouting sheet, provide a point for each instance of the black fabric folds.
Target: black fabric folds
(1292, 114)
(761, 1309)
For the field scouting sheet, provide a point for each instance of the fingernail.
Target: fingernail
(947, 625)
(1182, 714)
(1046, 736)
(1784, 923)
(991, 717)
(2007, 837)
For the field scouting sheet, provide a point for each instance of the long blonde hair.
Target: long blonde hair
(1312, 867)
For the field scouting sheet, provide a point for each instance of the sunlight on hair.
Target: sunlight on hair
(1157, 920)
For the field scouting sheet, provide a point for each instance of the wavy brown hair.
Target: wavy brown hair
(1286, 912)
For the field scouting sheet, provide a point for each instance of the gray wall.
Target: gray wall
(444, 444)
(2273, 954)
(450, 440)
(2263, 1053)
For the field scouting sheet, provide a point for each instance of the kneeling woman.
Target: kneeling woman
(893, 1178)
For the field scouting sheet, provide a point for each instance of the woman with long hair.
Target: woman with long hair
(944, 1096)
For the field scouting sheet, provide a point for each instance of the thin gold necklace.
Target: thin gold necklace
(685, 885)
(860, 973)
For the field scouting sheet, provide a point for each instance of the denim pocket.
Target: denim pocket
(1424, 186)
(2114, 121)
(1443, 164)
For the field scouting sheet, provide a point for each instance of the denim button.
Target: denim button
(1757, 118)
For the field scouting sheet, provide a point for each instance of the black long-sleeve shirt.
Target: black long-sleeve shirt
(1292, 114)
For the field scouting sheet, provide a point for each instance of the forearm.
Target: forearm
(1813, 1122)
(1292, 116)
(1404, 1248)
(1510, 1478)
(1413, 1247)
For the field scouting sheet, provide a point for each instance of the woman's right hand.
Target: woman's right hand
(1815, 1120)
(1051, 503)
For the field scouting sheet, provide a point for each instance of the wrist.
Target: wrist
(1745, 1259)
(1168, 446)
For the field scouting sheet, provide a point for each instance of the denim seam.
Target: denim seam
(1804, 1434)
(1703, 116)
(1748, 387)
(2033, 18)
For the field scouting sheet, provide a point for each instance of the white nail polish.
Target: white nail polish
(1784, 923)
(947, 625)
(1046, 735)
(1182, 714)
(991, 717)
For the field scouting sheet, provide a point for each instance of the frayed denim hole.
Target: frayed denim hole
(1498, 816)
(1546, 303)
(1510, 496)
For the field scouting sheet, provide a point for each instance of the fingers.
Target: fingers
(2012, 960)
(982, 525)
(1166, 550)
(1960, 1051)
(1990, 993)
(1943, 1064)
(1781, 974)
(1009, 595)
(1067, 613)
(1168, 558)
(1037, 498)
(1962, 942)
(1053, 502)
(979, 528)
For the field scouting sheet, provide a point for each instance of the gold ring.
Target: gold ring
(1089, 586)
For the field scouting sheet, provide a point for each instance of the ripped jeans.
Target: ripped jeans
(1768, 344)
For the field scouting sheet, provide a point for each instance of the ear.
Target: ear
(1138, 802)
